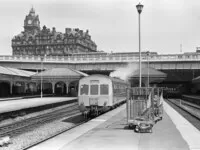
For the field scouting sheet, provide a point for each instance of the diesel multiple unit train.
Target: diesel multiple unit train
(99, 93)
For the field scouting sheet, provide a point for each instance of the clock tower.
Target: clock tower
(31, 22)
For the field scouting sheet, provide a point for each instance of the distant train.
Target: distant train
(99, 93)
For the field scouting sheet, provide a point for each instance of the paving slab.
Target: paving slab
(113, 134)
(110, 131)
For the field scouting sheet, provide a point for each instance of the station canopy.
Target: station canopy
(59, 73)
(154, 75)
(15, 72)
(196, 80)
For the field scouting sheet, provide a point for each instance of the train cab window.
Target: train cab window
(104, 89)
(94, 88)
(84, 89)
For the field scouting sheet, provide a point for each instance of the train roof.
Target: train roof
(108, 77)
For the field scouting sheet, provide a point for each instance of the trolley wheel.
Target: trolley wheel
(150, 130)
(129, 126)
(137, 129)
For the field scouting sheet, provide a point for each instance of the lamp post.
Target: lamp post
(41, 88)
(139, 9)
(148, 53)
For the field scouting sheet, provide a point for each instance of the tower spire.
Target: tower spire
(32, 11)
(31, 22)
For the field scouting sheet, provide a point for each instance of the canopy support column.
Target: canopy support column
(53, 87)
(25, 86)
(11, 87)
(67, 87)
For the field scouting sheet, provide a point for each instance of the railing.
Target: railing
(101, 59)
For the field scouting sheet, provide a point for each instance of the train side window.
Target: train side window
(104, 89)
(84, 89)
(94, 89)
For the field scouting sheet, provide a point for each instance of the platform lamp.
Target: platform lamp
(139, 9)
(41, 88)
(148, 54)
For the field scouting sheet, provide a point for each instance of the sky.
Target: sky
(112, 24)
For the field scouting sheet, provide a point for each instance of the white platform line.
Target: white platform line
(189, 133)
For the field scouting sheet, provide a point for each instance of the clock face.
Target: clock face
(29, 21)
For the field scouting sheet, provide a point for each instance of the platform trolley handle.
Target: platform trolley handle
(127, 102)
(127, 94)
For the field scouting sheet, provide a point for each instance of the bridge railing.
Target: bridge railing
(103, 58)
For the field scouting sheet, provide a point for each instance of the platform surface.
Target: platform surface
(109, 131)
(12, 105)
(112, 135)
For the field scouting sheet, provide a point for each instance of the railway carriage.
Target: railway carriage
(98, 93)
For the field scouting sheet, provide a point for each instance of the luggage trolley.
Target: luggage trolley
(158, 104)
(140, 109)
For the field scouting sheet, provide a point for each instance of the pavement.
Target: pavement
(109, 131)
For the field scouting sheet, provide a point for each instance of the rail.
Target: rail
(21, 126)
(102, 58)
(187, 106)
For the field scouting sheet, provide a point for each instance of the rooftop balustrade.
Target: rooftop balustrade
(103, 58)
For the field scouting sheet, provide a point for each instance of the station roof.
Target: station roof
(15, 72)
(196, 80)
(60, 73)
(153, 73)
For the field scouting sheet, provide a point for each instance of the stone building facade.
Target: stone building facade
(36, 41)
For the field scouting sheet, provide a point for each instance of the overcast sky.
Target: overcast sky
(112, 24)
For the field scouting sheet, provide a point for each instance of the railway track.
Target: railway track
(52, 136)
(58, 133)
(25, 125)
(188, 110)
(72, 115)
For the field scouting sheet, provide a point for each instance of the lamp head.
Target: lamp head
(139, 8)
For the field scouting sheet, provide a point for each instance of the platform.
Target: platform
(13, 105)
(109, 132)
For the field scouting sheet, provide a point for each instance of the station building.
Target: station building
(36, 41)
(56, 81)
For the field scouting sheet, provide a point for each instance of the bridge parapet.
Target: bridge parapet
(109, 58)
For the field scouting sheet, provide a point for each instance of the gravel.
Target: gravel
(42, 132)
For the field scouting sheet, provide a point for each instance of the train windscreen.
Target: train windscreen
(94, 88)
(104, 89)
(84, 89)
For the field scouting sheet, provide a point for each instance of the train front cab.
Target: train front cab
(95, 93)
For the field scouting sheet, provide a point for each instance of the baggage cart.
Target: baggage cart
(140, 109)
(158, 104)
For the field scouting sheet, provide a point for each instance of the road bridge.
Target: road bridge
(181, 67)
